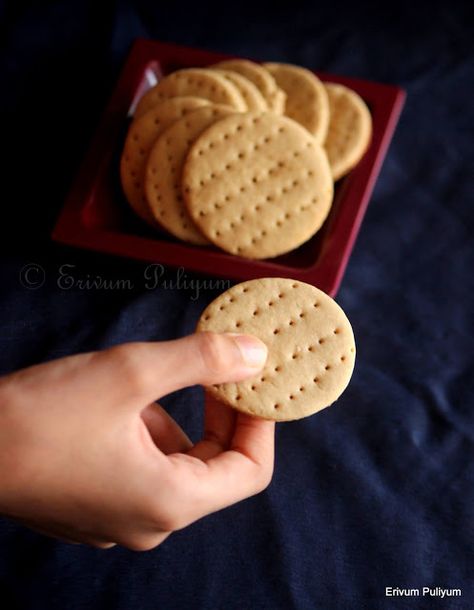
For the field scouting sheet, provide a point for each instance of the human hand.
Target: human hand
(86, 456)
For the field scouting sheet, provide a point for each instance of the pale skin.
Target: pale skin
(88, 456)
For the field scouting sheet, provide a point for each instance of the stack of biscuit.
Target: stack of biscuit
(242, 156)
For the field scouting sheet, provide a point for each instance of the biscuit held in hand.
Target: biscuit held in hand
(311, 348)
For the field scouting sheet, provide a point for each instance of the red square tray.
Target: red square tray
(96, 216)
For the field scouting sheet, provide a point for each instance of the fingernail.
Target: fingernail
(254, 352)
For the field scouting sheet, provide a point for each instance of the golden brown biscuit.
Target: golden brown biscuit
(311, 348)
(350, 129)
(261, 78)
(306, 98)
(164, 167)
(141, 136)
(257, 185)
(254, 100)
(196, 82)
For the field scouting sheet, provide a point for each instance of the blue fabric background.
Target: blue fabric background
(377, 491)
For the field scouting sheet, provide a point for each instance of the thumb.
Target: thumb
(203, 358)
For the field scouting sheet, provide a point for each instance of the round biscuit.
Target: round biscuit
(257, 185)
(311, 347)
(260, 77)
(197, 82)
(254, 100)
(306, 98)
(164, 167)
(350, 129)
(141, 136)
